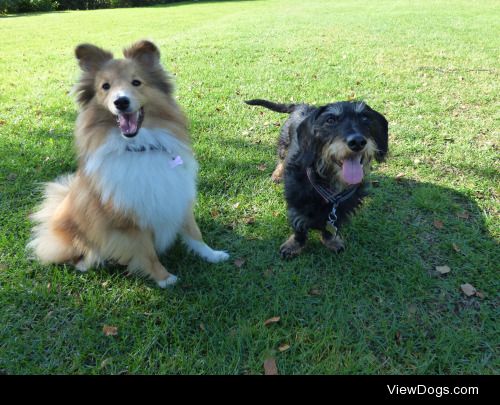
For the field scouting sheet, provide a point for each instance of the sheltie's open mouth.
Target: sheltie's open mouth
(130, 123)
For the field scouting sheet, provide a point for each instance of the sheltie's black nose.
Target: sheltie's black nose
(122, 103)
(356, 142)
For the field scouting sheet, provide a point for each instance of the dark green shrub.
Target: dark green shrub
(22, 6)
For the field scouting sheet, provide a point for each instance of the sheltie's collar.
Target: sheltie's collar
(142, 148)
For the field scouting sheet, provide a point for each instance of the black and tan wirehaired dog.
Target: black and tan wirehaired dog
(324, 156)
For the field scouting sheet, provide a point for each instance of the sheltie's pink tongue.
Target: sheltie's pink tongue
(352, 170)
(128, 123)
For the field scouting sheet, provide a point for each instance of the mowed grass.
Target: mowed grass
(379, 307)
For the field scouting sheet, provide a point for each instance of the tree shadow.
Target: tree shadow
(394, 242)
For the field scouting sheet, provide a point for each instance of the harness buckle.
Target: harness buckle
(332, 218)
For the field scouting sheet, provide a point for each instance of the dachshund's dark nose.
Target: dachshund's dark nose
(122, 103)
(356, 142)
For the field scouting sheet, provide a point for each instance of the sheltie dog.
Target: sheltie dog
(135, 185)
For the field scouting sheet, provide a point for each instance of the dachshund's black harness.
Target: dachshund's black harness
(331, 198)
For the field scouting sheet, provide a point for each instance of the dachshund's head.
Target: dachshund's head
(341, 139)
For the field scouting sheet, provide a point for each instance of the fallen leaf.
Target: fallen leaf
(443, 269)
(106, 362)
(399, 176)
(202, 327)
(455, 247)
(249, 220)
(276, 213)
(105, 283)
(438, 224)
(110, 330)
(3, 267)
(480, 294)
(416, 161)
(236, 205)
(398, 337)
(269, 321)
(468, 289)
(283, 347)
(49, 287)
(463, 215)
(2, 122)
(314, 291)
(239, 262)
(214, 213)
(270, 367)
(262, 167)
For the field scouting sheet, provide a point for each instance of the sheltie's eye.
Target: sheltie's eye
(106, 86)
(136, 83)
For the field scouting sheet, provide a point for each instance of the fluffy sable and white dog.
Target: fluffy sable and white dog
(135, 186)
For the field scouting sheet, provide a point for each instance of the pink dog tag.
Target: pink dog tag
(177, 161)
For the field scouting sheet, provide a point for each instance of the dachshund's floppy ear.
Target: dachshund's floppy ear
(91, 58)
(379, 131)
(306, 134)
(306, 130)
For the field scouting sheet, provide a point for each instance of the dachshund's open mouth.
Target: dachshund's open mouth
(352, 169)
(130, 123)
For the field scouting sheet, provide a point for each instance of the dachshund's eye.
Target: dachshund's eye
(136, 83)
(364, 119)
(331, 119)
(106, 86)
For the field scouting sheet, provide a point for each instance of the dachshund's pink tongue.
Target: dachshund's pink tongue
(352, 170)
(128, 122)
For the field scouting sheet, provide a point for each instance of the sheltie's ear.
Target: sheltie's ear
(145, 53)
(91, 58)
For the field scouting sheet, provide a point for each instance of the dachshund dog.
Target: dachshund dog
(324, 156)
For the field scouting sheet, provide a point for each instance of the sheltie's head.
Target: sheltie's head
(127, 93)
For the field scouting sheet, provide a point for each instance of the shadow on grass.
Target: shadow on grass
(392, 248)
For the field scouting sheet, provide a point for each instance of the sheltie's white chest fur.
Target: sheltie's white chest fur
(152, 176)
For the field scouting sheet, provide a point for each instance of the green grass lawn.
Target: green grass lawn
(379, 307)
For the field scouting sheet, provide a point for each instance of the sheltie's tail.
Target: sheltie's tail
(47, 244)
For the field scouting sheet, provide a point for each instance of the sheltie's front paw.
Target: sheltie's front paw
(217, 256)
(205, 251)
(82, 266)
(168, 282)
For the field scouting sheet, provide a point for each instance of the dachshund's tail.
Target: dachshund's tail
(282, 108)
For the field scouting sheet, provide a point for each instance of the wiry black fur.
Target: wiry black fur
(301, 140)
